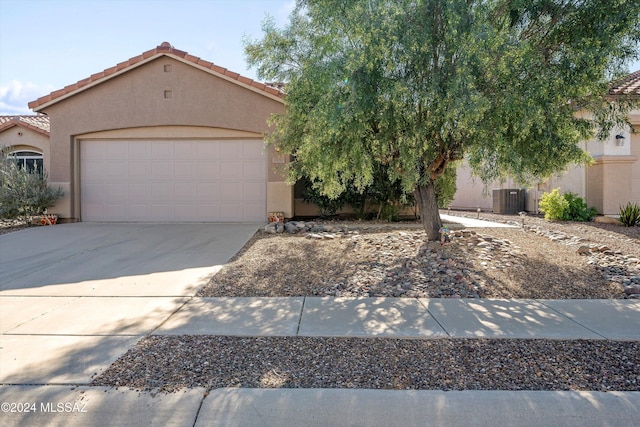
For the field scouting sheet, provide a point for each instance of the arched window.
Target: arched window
(30, 160)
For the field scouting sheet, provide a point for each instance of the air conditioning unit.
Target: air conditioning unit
(508, 200)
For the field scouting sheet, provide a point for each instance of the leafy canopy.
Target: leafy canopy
(415, 85)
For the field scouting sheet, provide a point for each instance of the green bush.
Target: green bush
(630, 214)
(553, 205)
(567, 207)
(577, 209)
(24, 193)
(326, 205)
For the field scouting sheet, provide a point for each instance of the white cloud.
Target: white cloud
(15, 96)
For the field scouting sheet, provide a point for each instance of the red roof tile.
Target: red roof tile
(38, 123)
(164, 48)
(629, 85)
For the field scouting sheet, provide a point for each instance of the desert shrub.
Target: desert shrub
(553, 205)
(577, 209)
(24, 193)
(565, 207)
(326, 205)
(630, 214)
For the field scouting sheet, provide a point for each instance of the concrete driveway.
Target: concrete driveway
(75, 297)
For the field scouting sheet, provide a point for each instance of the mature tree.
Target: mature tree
(415, 85)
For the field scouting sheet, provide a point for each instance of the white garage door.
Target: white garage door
(173, 181)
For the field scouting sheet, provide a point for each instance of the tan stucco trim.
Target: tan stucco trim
(168, 132)
(601, 160)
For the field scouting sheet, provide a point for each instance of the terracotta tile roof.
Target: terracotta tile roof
(38, 123)
(629, 85)
(164, 49)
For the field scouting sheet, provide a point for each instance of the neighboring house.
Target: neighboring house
(611, 181)
(164, 137)
(26, 139)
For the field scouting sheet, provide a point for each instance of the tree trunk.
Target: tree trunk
(428, 204)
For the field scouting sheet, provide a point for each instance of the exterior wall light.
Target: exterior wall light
(619, 140)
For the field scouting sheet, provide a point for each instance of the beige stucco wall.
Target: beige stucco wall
(609, 183)
(635, 166)
(20, 138)
(149, 101)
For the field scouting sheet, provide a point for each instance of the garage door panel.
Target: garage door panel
(208, 212)
(161, 191)
(95, 150)
(162, 170)
(184, 150)
(184, 192)
(208, 170)
(250, 212)
(161, 211)
(138, 169)
(184, 170)
(138, 211)
(254, 170)
(92, 192)
(231, 149)
(251, 149)
(208, 191)
(164, 181)
(94, 170)
(208, 149)
(230, 192)
(117, 170)
(253, 191)
(162, 150)
(116, 191)
(231, 170)
(116, 151)
(185, 211)
(135, 149)
(138, 191)
(231, 211)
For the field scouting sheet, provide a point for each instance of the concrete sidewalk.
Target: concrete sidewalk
(101, 406)
(407, 318)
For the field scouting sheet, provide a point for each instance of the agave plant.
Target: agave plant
(630, 214)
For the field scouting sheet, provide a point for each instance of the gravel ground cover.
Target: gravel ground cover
(169, 363)
(541, 260)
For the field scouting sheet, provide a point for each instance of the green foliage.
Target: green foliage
(577, 209)
(565, 207)
(24, 193)
(415, 85)
(328, 206)
(553, 205)
(630, 214)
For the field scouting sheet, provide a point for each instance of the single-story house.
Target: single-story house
(611, 181)
(167, 137)
(26, 138)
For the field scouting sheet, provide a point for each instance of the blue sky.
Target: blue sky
(48, 44)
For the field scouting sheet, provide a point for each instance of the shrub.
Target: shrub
(630, 214)
(567, 207)
(553, 205)
(24, 193)
(577, 209)
(326, 205)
